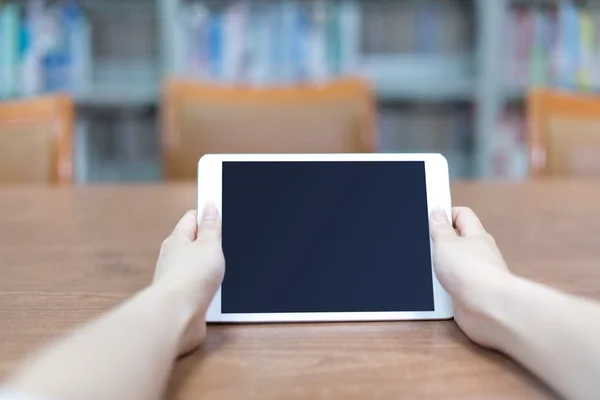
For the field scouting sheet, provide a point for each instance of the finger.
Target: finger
(440, 226)
(466, 222)
(210, 226)
(187, 227)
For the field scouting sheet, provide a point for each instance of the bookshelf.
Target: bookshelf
(545, 43)
(396, 76)
(433, 62)
(403, 73)
(411, 77)
(460, 85)
(489, 19)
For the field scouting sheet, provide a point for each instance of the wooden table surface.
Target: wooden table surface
(67, 255)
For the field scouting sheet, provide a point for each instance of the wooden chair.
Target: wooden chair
(36, 140)
(564, 131)
(200, 119)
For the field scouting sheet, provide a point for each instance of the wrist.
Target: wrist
(483, 313)
(189, 313)
(178, 304)
(490, 293)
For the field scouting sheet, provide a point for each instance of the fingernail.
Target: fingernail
(210, 212)
(438, 215)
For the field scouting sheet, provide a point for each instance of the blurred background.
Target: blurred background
(447, 76)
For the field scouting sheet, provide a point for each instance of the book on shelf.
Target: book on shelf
(44, 47)
(289, 41)
(270, 41)
(9, 48)
(416, 26)
(553, 44)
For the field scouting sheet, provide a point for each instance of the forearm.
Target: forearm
(127, 354)
(556, 336)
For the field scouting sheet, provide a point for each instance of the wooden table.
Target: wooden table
(67, 255)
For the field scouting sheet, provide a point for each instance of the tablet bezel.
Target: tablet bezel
(438, 196)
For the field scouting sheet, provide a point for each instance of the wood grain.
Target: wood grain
(68, 254)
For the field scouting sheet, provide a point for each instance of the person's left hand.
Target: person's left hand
(191, 262)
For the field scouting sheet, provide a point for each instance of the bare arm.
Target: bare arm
(128, 353)
(555, 335)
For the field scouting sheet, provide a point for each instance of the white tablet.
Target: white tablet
(326, 237)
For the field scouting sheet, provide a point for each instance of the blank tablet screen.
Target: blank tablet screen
(308, 237)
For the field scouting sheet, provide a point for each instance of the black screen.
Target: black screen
(325, 237)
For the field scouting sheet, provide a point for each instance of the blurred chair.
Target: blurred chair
(36, 140)
(564, 133)
(198, 119)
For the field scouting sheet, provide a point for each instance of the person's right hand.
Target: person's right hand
(468, 264)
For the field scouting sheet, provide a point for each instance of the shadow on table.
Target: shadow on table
(185, 366)
(505, 362)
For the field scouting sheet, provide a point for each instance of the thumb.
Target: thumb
(440, 226)
(186, 228)
(209, 229)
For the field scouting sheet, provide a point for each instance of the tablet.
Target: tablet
(326, 237)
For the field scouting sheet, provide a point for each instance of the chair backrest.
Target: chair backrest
(564, 133)
(198, 119)
(36, 140)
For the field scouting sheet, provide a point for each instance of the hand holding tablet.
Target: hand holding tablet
(341, 237)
